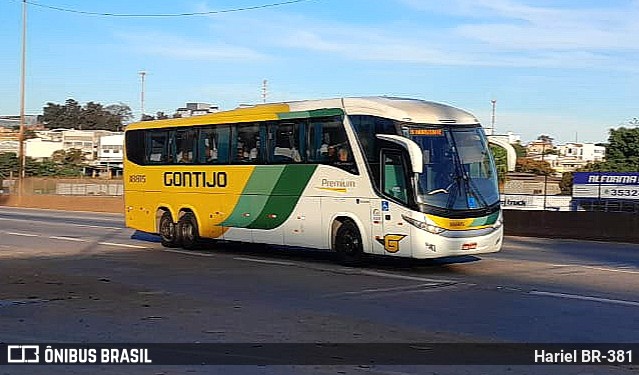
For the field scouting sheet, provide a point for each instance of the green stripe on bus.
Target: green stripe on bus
(246, 211)
(486, 220)
(284, 196)
(308, 114)
(254, 196)
(263, 180)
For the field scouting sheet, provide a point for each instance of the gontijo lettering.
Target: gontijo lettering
(195, 179)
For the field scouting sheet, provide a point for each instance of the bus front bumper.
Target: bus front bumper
(455, 243)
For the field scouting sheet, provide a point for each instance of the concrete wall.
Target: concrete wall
(603, 226)
(65, 203)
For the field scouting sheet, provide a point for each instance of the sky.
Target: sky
(568, 69)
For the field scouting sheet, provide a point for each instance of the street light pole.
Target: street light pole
(142, 75)
(21, 162)
(264, 90)
(492, 121)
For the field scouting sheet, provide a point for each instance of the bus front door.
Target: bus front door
(395, 184)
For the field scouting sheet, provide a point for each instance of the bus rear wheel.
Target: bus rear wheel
(188, 231)
(168, 231)
(348, 244)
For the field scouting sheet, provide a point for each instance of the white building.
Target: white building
(110, 150)
(568, 157)
(95, 144)
(85, 140)
(9, 146)
(41, 148)
(196, 109)
(588, 152)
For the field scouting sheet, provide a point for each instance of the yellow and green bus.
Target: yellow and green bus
(367, 175)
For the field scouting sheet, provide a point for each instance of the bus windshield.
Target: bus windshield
(458, 170)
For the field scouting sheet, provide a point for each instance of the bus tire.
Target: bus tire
(168, 231)
(188, 231)
(348, 244)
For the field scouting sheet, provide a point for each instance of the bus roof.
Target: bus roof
(401, 109)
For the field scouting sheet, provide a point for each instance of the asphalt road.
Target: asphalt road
(81, 277)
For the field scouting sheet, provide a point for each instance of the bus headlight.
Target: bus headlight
(422, 225)
(498, 223)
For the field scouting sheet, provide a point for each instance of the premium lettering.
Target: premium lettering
(195, 179)
(338, 183)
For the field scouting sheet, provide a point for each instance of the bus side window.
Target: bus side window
(248, 144)
(328, 144)
(213, 145)
(184, 146)
(156, 147)
(284, 145)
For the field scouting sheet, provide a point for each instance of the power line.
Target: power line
(192, 14)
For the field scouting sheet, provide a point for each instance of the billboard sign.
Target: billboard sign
(606, 185)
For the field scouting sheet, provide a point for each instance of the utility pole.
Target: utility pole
(142, 76)
(543, 154)
(492, 121)
(21, 162)
(264, 90)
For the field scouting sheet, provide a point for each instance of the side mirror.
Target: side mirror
(414, 151)
(511, 155)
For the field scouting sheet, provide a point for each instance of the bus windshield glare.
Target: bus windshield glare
(458, 170)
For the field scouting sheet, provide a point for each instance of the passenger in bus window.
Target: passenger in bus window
(323, 150)
(343, 155)
(185, 156)
(210, 150)
(331, 154)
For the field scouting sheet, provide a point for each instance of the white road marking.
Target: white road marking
(67, 238)
(610, 269)
(598, 268)
(404, 277)
(122, 245)
(411, 288)
(92, 226)
(585, 298)
(61, 224)
(22, 234)
(265, 261)
(188, 252)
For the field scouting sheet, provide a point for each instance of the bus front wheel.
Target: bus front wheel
(188, 231)
(168, 231)
(348, 244)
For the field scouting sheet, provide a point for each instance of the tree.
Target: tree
(537, 167)
(500, 156)
(121, 112)
(8, 164)
(92, 116)
(519, 150)
(622, 152)
(545, 138)
(72, 156)
(64, 163)
(566, 183)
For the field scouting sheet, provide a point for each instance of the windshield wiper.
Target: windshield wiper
(437, 191)
(475, 190)
(469, 185)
